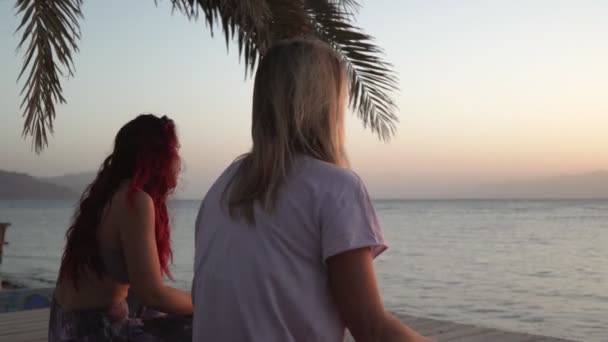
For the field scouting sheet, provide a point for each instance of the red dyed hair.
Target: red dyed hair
(145, 152)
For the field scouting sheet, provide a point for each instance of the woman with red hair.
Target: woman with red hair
(119, 243)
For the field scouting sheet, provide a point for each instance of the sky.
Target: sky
(489, 91)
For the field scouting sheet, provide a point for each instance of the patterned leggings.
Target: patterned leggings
(117, 323)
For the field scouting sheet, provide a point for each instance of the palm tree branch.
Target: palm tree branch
(247, 22)
(255, 24)
(371, 79)
(51, 30)
(350, 7)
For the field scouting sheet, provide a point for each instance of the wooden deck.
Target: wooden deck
(20, 326)
(444, 331)
(31, 325)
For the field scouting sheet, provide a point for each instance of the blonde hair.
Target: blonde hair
(298, 109)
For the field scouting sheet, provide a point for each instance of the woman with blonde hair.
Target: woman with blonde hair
(285, 238)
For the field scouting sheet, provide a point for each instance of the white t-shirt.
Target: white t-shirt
(268, 282)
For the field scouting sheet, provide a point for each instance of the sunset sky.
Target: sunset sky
(490, 91)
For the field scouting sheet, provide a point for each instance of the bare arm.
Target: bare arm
(355, 291)
(139, 245)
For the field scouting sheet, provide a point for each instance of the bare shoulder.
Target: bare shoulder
(133, 206)
(141, 202)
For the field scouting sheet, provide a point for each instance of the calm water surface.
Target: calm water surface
(533, 266)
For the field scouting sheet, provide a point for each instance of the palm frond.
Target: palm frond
(255, 24)
(246, 21)
(51, 30)
(289, 19)
(350, 7)
(371, 79)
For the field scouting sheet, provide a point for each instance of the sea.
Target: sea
(537, 266)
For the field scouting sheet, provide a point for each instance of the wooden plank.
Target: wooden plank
(13, 320)
(28, 336)
(41, 322)
(20, 327)
(40, 330)
(29, 316)
(26, 313)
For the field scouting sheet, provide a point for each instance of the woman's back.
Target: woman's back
(111, 288)
(285, 239)
(118, 244)
(268, 281)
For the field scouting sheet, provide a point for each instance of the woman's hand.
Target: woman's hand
(355, 291)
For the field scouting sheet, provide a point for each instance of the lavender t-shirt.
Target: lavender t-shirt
(268, 282)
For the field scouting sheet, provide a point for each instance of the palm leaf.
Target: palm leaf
(50, 29)
(350, 7)
(255, 24)
(371, 79)
(247, 22)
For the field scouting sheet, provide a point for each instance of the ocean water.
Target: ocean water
(533, 266)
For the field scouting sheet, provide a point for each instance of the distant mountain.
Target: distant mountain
(14, 185)
(76, 182)
(590, 185)
(593, 185)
